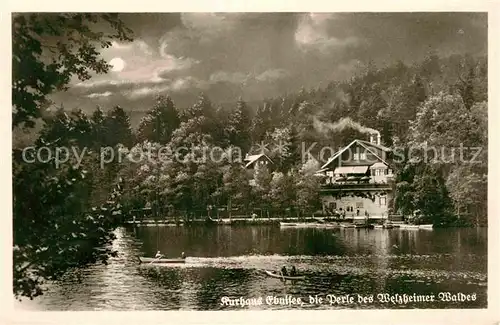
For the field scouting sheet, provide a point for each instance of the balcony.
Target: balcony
(355, 183)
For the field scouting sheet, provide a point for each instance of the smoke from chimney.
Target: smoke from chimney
(344, 123)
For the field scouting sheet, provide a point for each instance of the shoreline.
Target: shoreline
(327, 222)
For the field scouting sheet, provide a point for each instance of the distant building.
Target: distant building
(251, 162)
(356, 180)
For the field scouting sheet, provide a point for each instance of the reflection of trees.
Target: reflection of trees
(319, 242)
(217, 283)
(237, 241)
(381, 244)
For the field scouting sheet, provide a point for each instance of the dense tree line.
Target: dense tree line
(210, 171)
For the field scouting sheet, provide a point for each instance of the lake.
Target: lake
(344, 268)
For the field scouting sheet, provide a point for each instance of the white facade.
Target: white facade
(358, 207)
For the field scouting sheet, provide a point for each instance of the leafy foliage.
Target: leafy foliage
(49, 49)
(60, 220)
(55, 228)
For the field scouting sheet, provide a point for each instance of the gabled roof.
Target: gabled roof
(338, 153)
(374, 153)
(362, 143)
(253, 158)
(378, 165)
(379, 146)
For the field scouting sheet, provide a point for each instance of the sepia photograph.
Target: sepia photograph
(243, 161)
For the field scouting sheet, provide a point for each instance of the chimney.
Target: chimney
(375, 138)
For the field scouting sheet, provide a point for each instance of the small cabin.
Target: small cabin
(252, 160)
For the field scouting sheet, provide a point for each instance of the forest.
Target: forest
(64, 215)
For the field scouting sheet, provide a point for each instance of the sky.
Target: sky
(260, 55)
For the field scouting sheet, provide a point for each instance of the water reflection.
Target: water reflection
(229, 262)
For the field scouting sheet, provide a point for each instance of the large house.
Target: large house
(357, 180)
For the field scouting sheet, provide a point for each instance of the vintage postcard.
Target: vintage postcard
(273, 161)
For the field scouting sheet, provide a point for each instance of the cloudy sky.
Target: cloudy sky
(257, 55)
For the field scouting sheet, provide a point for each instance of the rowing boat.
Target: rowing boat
(162, 260)
(287, 277)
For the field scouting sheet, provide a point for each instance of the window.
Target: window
(359, 205)
(382, 200)
(333, 205)
(379, 172)
(356, 156)
(362, 156)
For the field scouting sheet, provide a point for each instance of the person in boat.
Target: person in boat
(293, 272)
(183, 256)
(284, 271)
(158, 255)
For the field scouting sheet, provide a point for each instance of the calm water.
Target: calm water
(228, 262)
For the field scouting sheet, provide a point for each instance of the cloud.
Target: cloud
(272, 75)
(138, 46)
(175, 63)
(144, 65)
(177, 85)
(146, 91)
(231, 77)
(188, 83)
(261, 55)
(248, 79)
(210, 24)
(312, 33)
(95, 95)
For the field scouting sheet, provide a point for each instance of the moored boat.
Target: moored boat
(153, 260)
(327, 225)
(429, 226)
(403, 226)
(287, 277)
(299, 224)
